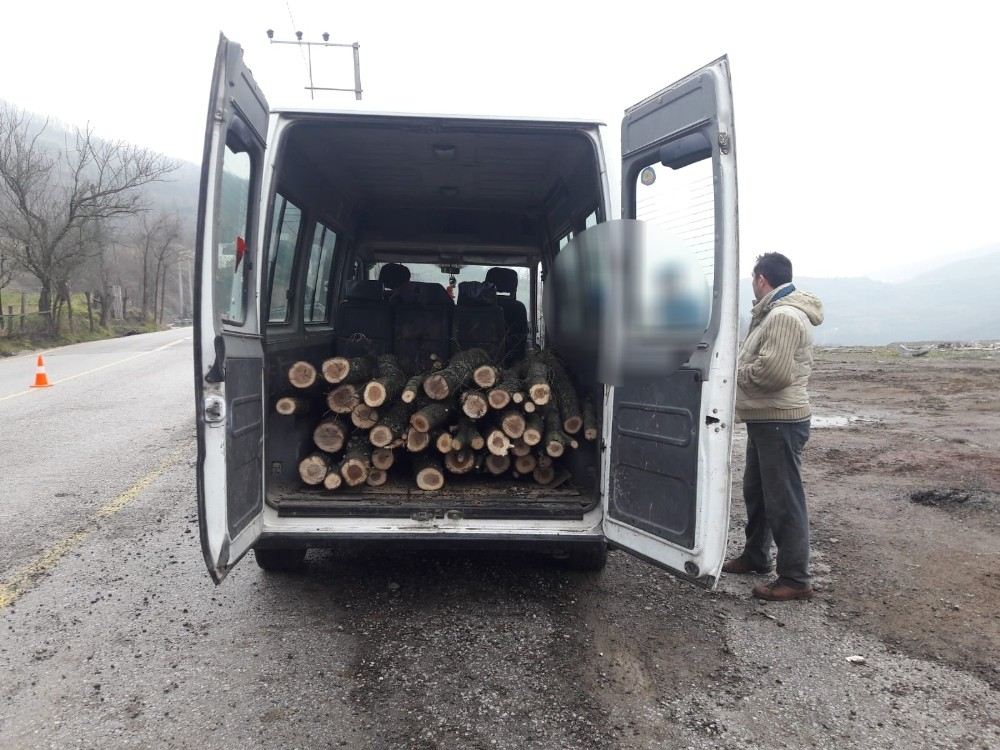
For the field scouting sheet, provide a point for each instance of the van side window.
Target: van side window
(591, 220)
(284, 238)
(316, 299)
(231, 236)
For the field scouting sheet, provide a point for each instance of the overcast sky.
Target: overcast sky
(865, 132)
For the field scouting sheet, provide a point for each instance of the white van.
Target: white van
(299, 210)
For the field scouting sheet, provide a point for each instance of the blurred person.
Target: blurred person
(773, 371)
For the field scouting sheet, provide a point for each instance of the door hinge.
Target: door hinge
(724, 142)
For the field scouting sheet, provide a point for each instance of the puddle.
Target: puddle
(831, 421)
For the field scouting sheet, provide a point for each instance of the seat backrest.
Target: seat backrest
(478, 320)
(421, 331)
(364, 320)
(514, 312)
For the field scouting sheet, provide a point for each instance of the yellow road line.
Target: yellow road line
(98, 369)
(23, 580)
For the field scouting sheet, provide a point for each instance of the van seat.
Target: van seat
(422, 315)
(364, 320)
(478, 320)
(514, 313)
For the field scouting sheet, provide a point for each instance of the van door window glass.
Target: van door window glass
(231, 263)
(284, 238)
(591, 220)
(317, 293)
(676, 272)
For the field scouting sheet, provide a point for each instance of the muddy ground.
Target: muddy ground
(124, 642)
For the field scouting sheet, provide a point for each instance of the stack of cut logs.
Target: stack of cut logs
(458, 418)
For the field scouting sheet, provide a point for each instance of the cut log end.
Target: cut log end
(555, 448)
(460, 462)
(532, 436)
(436, 386)
(417, 440)
(377, 477)
(513, 424)
(525, 464)
(430, 479)
(336, 369)
(478, 443)
(409, 397)
(540, 393)
(289, 405)
(302, 375)
(420, 423)
(520, 448)
(364, 417)
(443, 443)
(529, 407)
(474, 405)
(380, 436)
(329, 436)
(354, 472)
(375, 393)
(333, 481)
(499, 399)
(573, 424)
(383, 458)
(517, 398)
(497, 465)
(590, 433)
(343, 399)
(313, 469)
(544, 475)
(485, 376)
(498, 443)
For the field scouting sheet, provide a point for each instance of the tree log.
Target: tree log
(536, 379)
(565, 393)
(589, 420)
(534, 428)
(388, 385)
(505, 391)
(330, 434)
(392, 424)
(417, 441)
(288, 405)
(498, 443)
(356, 370)
(343, 398)
(485, 376)
(467, 436)
(377, 477)
(474, 404)
(544, 474)
(525, 464)
(428, 471)
(413, 387)
(313, 468)
(556, 441)
(518, 397)
(529, 406)
(497, 465)
(443, 442)
(430, 416)
(513, 423)
(357, 460)
(457, 374)
(333, 480)
(364, 417)
(460, 462)
(383, 458)
(520, 448)
(302, 375)
(545, 460)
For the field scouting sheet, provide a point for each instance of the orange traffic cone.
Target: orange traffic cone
(41, 379)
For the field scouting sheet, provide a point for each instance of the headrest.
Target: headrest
(394, 275)
(423, 293)
(364, 289)
(504, 279)
(476, 294)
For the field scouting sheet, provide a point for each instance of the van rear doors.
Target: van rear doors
(228, 353)
(667, 471)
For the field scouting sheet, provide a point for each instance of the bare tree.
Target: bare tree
(50, 196)
(156, 240)
(7, 269)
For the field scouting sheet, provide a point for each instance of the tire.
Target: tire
(588, 557)
(281, 560)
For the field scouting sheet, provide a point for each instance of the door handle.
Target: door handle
(217, 372)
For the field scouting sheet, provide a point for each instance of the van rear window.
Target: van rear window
(315, 302)
(284, 238)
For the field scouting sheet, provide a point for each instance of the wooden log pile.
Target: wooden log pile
(467, 416)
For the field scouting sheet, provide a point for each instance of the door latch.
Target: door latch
(214, 409)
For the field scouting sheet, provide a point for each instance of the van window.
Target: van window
(230, 233)
(316, 299)
(678, 278)
(591, 220)
(284, 237)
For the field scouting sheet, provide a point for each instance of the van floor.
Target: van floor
(475, 497)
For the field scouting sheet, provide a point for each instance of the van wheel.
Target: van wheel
(281, 560)
(592, 557)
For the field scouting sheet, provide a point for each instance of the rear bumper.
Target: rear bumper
(424, 541)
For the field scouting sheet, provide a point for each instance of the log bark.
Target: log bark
(413, 388)
(383, 458)
(417, 441)
(544, 475)
(534, 429)
(474, 404)
(289, 405)
(545, 460)
(525, 464)
(343, 398)
(313, 468)
(330, 434)
(467, 436)
(302, 375)
(485, 376)
(589, 420)
(457, 374)
(333, 480)
(556, 441)
(364, 417)
(565, 394)
(428, 472)
(536, 380)
(377, 477)
(432, 415)
(388, 385)
(355, 370)
(357, 460)
(498, 443)
(460, 462)
(497, 465)
(512, 423)
(392, 424)
(505, 391)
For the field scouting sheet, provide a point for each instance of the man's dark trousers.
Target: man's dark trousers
(775, 499)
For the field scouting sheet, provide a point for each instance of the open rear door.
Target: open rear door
(228, 353)
(670, 433)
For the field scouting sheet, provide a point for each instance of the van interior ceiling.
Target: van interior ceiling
(449, 200)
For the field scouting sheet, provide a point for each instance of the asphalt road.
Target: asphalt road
(113, 636)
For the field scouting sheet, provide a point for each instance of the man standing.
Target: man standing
(772, 375)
